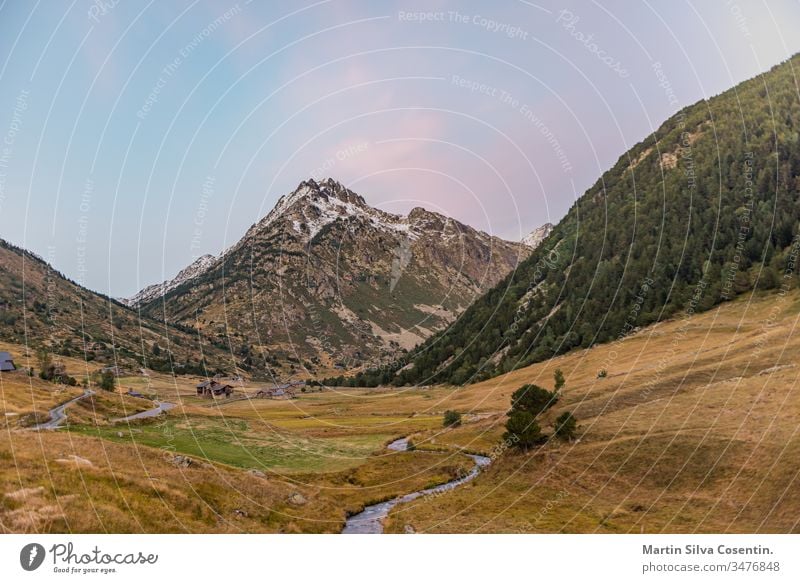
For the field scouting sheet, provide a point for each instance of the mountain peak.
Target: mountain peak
(535, 237)
(325, 188)
(321, 194)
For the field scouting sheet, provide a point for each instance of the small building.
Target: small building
(212, 388)
(6, 362)
(277, 392)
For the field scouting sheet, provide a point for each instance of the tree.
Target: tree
(156, 349)
(532, 399)
(527, 403)
(522, 430)
(107, 381)
(565, 426)
(45, 364)
(558, 379)
(452, 418)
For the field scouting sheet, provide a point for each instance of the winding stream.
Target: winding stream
(370, 520)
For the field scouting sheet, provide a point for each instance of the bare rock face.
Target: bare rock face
(297, 499)
(181, 461)
(326, 281)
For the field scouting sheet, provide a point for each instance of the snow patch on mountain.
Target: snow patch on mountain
(314, 205)
(152, 292)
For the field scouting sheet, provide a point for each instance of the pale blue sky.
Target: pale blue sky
(137, 136)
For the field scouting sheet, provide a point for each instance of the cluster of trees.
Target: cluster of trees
(52, 371)
(528, 404)
(55, 372)
(368, 378)
(704, 209)
(107, 381)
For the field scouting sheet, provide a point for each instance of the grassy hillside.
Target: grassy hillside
(704, 209)
(694, 429)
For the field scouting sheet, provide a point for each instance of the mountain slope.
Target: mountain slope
(330, 281)
(40, 308)
(702, 210)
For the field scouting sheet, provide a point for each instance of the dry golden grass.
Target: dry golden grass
(69, 481)
(62, 482)
(25, 400)
(693, 430)
(58, 482)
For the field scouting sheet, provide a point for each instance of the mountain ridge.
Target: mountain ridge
(325, 279)
(327, 188)
(42, 308)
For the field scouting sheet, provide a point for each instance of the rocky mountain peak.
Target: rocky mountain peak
(310, 190)
(311, 200)
(425, 219)
(535, 237)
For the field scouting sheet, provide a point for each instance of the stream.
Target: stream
(370, 520)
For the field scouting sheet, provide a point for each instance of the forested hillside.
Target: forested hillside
(42, 309)
(702, 210)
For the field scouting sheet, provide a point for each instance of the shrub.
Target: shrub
(45, 364)
(558, 379)
(68, 380)
(565, 426)
(452, 418)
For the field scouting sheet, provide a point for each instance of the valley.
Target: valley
(340, 368)
(692, 429)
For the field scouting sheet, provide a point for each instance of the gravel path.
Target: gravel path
(59, 413)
